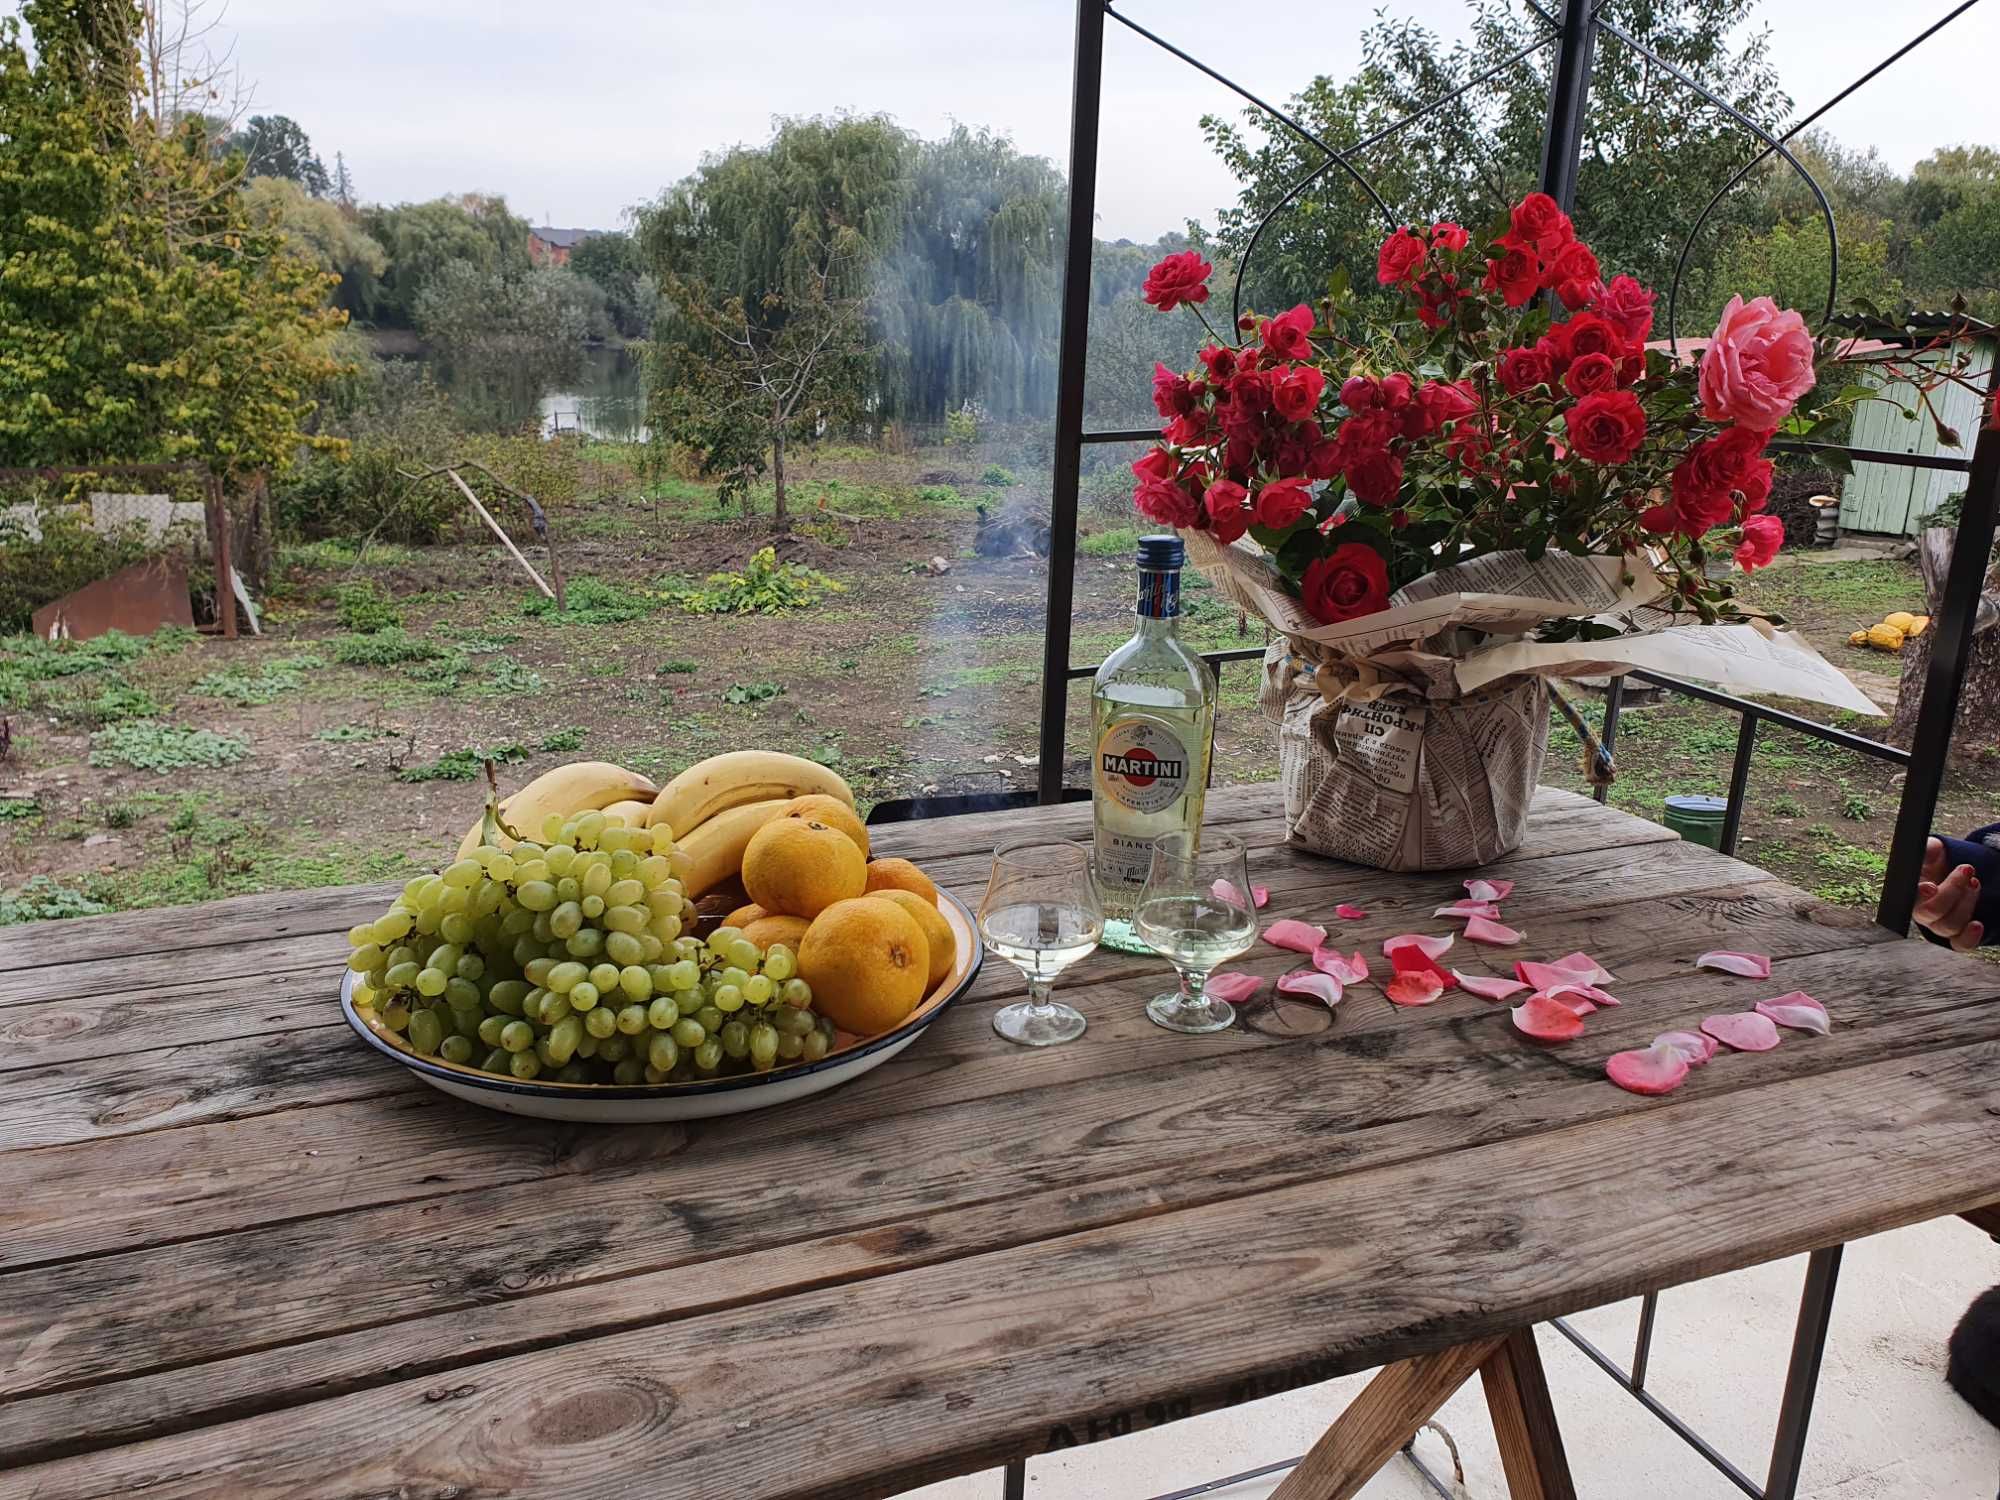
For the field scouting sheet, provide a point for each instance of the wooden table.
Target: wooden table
(241, 1255)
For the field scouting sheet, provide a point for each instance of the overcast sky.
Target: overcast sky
(578, 109)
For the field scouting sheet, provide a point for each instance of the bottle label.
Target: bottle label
(1159, 594)
(1141, 764)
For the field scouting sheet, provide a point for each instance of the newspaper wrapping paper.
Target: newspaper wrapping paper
(1413, 738)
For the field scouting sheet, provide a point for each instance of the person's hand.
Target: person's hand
(1945, 901)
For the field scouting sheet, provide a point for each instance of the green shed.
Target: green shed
(1889, 498)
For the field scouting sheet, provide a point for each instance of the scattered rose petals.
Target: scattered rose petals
(1430, 947)
(1260, 895)
(1547, 1020)
(1414, 988)
(1548, 976)
(1413, 960)
(1347, 970)
(1576, 1004)
(1348, 913)
(1468, 909)
(1300, 937)
(1589, 992)
(1695, 1046)
(1235, 988)
(1658, 1069)
(1486, 930)
(1749, 965)
(1744, 1030)
(1586, 967)
(1486, 987)
(1314, 982)
(1797, 1010)
(1489, 890)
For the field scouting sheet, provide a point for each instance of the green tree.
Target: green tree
(1954, 214)
(276, 146)
(421, 239)
(143, 316)
(613, 263)
(314, 228)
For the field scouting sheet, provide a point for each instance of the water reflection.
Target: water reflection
(600, 392)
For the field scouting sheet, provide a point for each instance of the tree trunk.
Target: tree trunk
(1976, 727)
(781, 519)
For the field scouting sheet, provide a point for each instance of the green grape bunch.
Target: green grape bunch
(571, 959)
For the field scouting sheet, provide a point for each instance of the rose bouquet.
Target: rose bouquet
(1439, 511)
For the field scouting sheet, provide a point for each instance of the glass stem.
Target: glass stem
(1039, 991)
(1194, 988)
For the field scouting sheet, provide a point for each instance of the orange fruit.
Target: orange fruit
(799, 867)
(938, 936)
(821, 808)
(867, 963)
(766, 931)
(743, 916)
(899, 875)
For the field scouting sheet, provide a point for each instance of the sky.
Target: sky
(576, 111)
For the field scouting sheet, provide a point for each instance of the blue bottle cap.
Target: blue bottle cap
(1160, 553)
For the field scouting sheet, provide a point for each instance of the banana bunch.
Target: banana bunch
(712, 808)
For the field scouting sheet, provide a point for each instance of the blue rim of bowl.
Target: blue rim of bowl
(537, 1089)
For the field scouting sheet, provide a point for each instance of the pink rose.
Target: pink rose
(1760, 363)
(1281, 503)
(1177, 279)
(1297, 393)
(1762, 537)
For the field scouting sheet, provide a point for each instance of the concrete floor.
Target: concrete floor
(1885, 1426)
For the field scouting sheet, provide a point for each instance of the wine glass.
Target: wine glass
(1041, 915)
(1195, 912)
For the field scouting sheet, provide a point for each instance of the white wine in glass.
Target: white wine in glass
(1041, 915)
(1195, 913)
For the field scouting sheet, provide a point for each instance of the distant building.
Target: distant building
(551, 247)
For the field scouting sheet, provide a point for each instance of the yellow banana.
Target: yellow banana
(582, 786)
(714, 851)
(636, 812)
(736, 779)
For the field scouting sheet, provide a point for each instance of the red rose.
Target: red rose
(1351, 582)
(1587, 333)
(1591, 374)
(1297, 392)
(1359, 393)
(1375, 477)
(1447, 401)
(1574, 274)
(1324, 460)
(1227, 503)
(1220, 360)
(1714, 477)
(1628, 307)
(1517, 276)
(1155, 463)
(1282, 502)
(1163, 501)
(1446, 235)
(1538, 223)
(1762, 537)
(1250, 393)
(1607, 428)
(1402, 253)
(1173, 393)
(1286, 335)
(1177, 279)
(1395, 391)
(1522, 370)
(1190, 431)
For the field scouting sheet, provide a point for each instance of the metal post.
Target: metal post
(1788, 1449)
(1642, 1346)
(1607, 737)
(1569, 97)
(1014, 1482)
(1087, 99)
(1739, 780)
(1951, 647)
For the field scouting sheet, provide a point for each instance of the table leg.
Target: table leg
(1014, 1483)
(1380, 1420)
(1524, 1421)
(1788, 1449)
(1987, 1218)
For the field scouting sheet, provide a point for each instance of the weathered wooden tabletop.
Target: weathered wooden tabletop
(242, 1255)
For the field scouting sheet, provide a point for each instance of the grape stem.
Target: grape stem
(494, 822)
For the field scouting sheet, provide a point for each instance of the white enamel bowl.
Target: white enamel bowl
(614, 1104)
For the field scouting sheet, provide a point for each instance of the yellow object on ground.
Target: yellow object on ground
(1885, 637)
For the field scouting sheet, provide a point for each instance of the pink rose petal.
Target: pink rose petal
(1409, 960)
(1744, 1030)
(1658, 1069)
(1485, 930)
(1588, 968)
(1547, 976)
(1430, 947)
(1589, 992)
(1489, 890)
(1799, 1011)
(1468, 909)
(1546, 1020)
(1348, 913)
(1235, 988)
(1486, 987)
(1300, 937)
(1693, 1046)
(1415, 988)
(1347, 970)
(1260, 895)
(1312, 982)
(1749, 965)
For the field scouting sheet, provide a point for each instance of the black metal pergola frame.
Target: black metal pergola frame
(1573, 31)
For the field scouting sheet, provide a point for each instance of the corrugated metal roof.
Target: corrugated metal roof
(1902, 326)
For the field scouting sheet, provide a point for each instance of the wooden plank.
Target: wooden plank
(67, 1029)
(892, 1383)
(1386, 1414)
(609, 1248)
(271, 917)
(1524, 1421)
(324, 951)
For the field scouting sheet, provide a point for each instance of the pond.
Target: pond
(600, 392)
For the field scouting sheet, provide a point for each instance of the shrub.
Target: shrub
(361, 607)
(41, 900)
(997, 476)
(152, 745)
(392, 647)
(764, 587)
